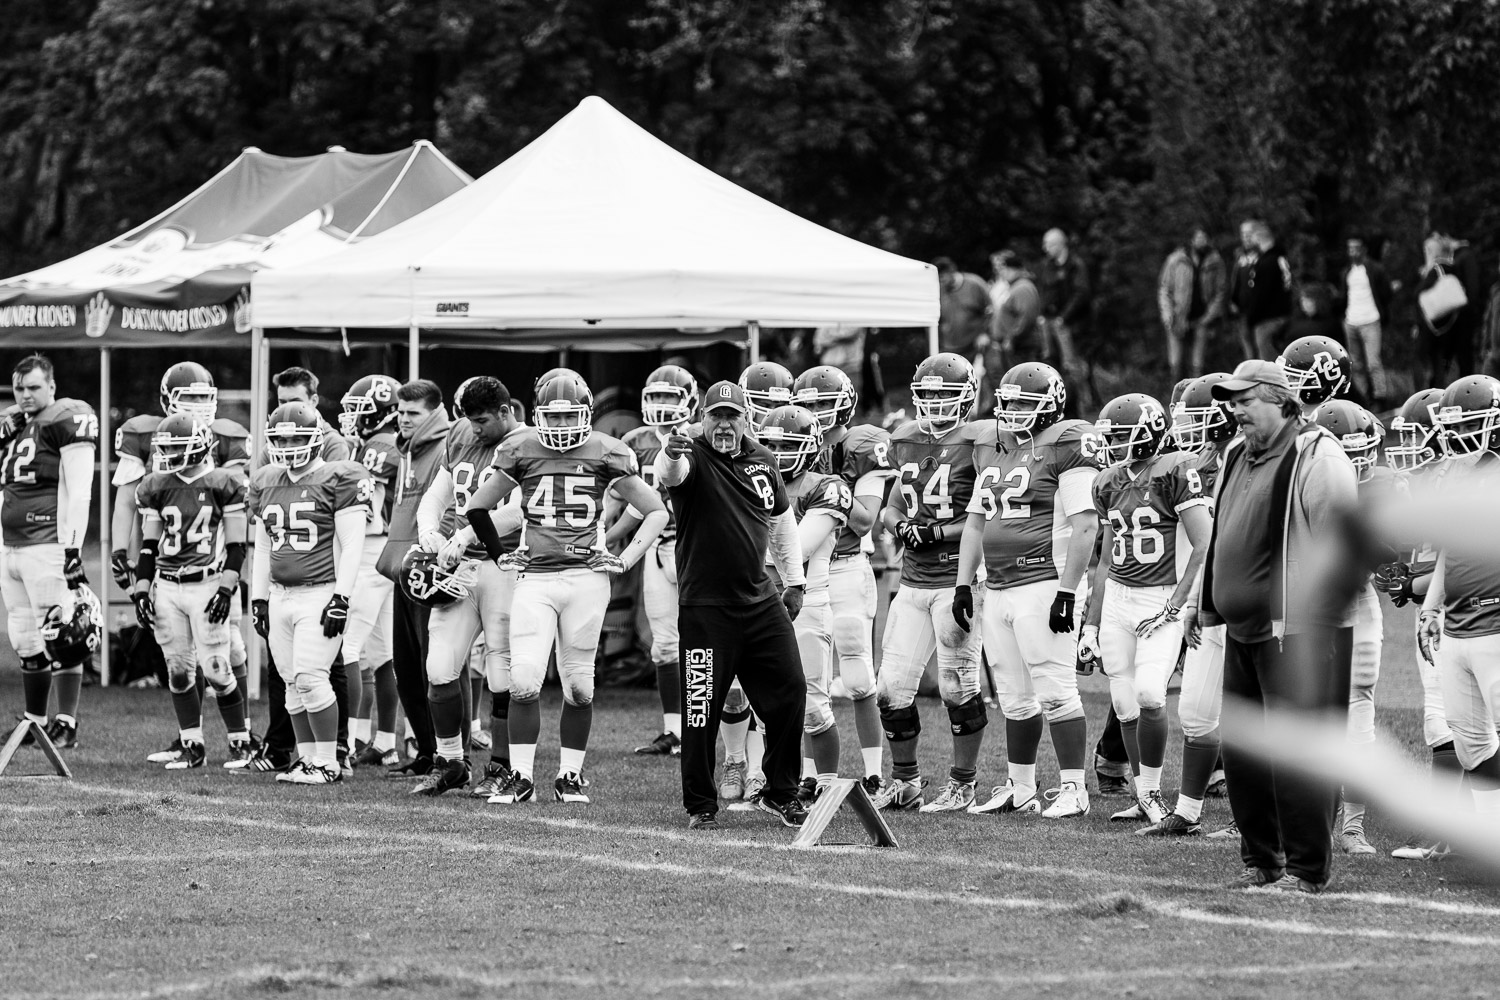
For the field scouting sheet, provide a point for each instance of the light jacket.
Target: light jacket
(421, 454)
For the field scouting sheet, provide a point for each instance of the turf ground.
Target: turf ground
(134, 882)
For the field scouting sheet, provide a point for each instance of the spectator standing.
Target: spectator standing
(964, 309)
(1191, 293)
(1489, 344)
(1268, 294)
(1017, 335)
(1239, 286)
(1066, 302)
(1316, 315)
(1449, 339)
(1366, 293)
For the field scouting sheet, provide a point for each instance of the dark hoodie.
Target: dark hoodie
(421, 454)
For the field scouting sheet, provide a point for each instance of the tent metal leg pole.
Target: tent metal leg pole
(260, 356)
(106, 438)
(752, 339)
(932, 340)
(413, 337)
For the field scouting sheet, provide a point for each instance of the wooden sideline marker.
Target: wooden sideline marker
(822, 812)
(13, 743)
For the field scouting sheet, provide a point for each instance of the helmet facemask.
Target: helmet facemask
(794, 452)
(178, 453)
(1467, 432)
(1125, 442)
(1417, 445)
(941, 405)
(1022, 412)
(293, 445)
(199, 400)
(666, 405)
(563, 424)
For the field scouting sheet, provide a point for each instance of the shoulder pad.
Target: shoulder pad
(225, 428)
(141, 423)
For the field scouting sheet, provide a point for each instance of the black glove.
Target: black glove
(260, 617)
(335, 616)
(119, 568)
(73, 573)
(963, 606)
(145, 611)
(1060, 619)
(218, 606)
(11, 422)
(1395, 580)
(917, 536)
(791, 599)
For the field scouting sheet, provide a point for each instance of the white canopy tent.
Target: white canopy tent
(597, 226)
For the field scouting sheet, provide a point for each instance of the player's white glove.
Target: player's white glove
(517, 560)
(450, 552)
(1088, 643)
(1429, 634)
(606, 562)
(431, 541)
(1165, 616)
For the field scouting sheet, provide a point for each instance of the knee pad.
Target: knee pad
(1061, 710)
(852, 635)
(315, 690)
(901, 724)
(37, 663)
(500, 705)
(524, 697)
(577, 683)
(1122, 695)
(968, 718)
(181, 681)
(23, 633)
(819, 719)
(217, 672)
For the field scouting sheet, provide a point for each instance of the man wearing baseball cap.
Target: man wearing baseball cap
(1279, 574)
(732, 509)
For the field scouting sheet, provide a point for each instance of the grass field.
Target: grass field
(134, 882)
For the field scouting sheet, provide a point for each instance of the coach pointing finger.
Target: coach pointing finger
(731, 509)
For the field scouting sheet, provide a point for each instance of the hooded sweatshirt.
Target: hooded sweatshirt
(421, 454)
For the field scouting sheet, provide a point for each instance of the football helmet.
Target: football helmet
(1316, 367)
(1132, 426)
(294, 435)
(794, 435)
(1419, 441)
(547, 376)
(187, 387)
(1357, 431)
(368, 406)
(767, 385)
(670, 397)
(1029, 398)
(181, 441)
(828, 393)
(72, 638)
(1469, 413)
(564, 412)
(1199, 420)
(430, 585)
(943, 391)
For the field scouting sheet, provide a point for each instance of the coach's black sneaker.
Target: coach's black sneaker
(64, 735)
(665, 745)
(703, 821)
(569, 788)
(267, 760)
(1111, 786)
(807, 791)
(167, 756)
(414, 768)
(445, 776)
(791, 812)
(517, 789)
(193, 755)
(1257, 878)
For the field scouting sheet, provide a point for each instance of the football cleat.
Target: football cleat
(414, 768)
(1072, 799)
(480, 739)
(171, 753)
(955, 797)
(703, 821)
(495, 777)
(64, 735)
(1003, 800)
(1352, 839)
(791, 812)
(755, 784)
(1230, 832)
(1130, 814)
(371, 756)
(445, 776)
(1216, 787)
(901, 794)
(303, 773)
(345, 763)
(517, 788)
(569, 788)
(665, 745)
(732, 784)
(1421, 848)
(872, 784)
(193, 755)
(241, 753)
(807, 790)
(1172, 825)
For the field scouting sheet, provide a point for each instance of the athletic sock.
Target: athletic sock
(826, 778)
(1149, 780)
(325, 753)
(1070, 741)
(1023, 738)
(187, 709)
(1130, 739)
(735, 728)
(873, 760)
(1151, 738)
(964, 775)
(825, 747)
(755, 752)
(450, 748)
(232, 709)
(523, 758)
(193, 734)
(36, 683)
(1198, 756)
(387, 701)
(570, 761)
(671, 722)
(1073, 774)
(870, 732)
(1189, 808)
(905, 772)
(966, 750)
(385, 741)
(69, 684)
(1023, 776)
(359, 730)
(669, 688)
(809, 768)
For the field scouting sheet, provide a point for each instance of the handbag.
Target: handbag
(1443, 299)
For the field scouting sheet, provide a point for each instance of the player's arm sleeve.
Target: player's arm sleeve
(815, 528)
(435, 502)
(260, 574)
(1075, 490)
(349, 526)
(1436, 586)
(786, 549)
(489, 495)
(128, 469)
(122, 516)
(73, 493)
(633, 490)
(673, 471)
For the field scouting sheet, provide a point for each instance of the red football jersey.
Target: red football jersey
(32, 468)
(299, 516)
(190, 512)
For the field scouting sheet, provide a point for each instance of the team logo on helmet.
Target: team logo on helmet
(1030, 397)
(430, 585)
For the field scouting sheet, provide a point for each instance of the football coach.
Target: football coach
(732, 509)
(1278, 575)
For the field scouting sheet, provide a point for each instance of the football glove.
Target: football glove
(1394, 579)
(963, 606)
(119, 568)
(73, 573)
(145, 611)
(1429, 634)
(450, 553)
(260, 617)
(606, 562)
(1060, 618)
(917, 536)
(1165, 616)
(791, 599)
(218, 606)
(517, 560)
(11, 422)
(1088, 650)
(335, 616)
(431, 541)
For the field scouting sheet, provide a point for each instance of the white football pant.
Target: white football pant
(1470, 672)
(1033, 667)
(367, 637)
(918, 623)
(659, 595)
(852, 598)
(303, 654)
(815, 644)
(1138, 669)
(1201, 700)
(31, 582)
(1364, 669)
(566, 608)
(453, 628)
(187, 638)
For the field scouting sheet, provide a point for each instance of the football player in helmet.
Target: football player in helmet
(1032, 520)
(562, 470)
(188, 577)
(1419, 441)
(860, 455)
(1317, 368)
(46, 470)
(670, 400)
(367, 418)
(309, 540)
(767, 385)
(488, 591)
(1142, 581)
(934, 459)
(821, 504)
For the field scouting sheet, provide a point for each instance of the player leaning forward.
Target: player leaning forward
(309, 539)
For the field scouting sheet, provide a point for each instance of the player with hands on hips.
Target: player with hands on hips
(562, 469)
(311, 516)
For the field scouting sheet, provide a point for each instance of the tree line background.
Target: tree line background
(923, 126)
